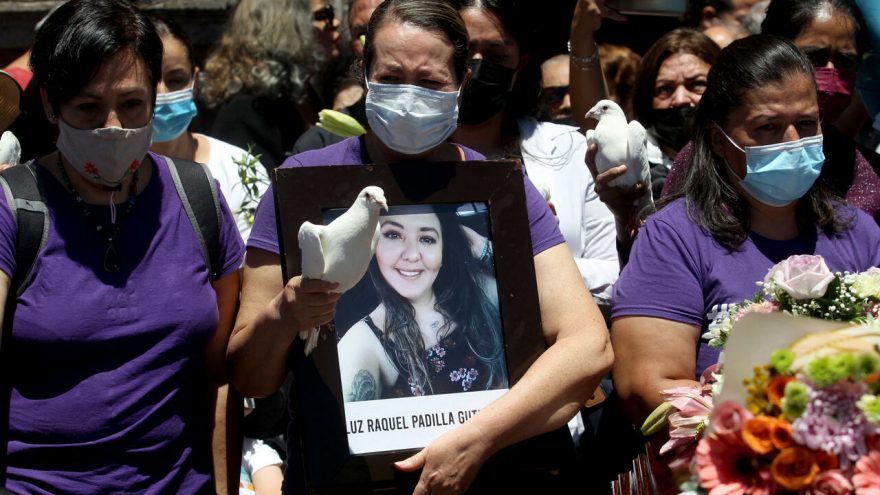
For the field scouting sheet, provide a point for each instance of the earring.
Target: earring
(52, 118)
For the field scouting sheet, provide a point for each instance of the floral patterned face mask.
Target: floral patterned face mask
(104, 156)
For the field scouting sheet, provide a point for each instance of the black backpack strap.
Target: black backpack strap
(198, 193)
(25, 198)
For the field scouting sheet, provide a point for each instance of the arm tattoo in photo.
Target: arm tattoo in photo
(363, 387)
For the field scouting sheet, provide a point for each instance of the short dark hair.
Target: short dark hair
(76, 40)
(431, 15)
(788, 18)
(713, 202)
(166, 27)
(682, 40)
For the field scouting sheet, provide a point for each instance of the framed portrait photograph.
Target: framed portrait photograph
(444, 321)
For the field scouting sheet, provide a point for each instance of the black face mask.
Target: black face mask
(674, 127)
(486, 92)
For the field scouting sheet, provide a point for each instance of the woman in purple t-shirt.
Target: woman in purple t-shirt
(415, 58)
(751, 199)
(117, 343)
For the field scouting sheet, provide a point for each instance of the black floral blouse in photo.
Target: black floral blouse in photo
(452, 368)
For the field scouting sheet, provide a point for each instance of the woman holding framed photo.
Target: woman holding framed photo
(415, 61)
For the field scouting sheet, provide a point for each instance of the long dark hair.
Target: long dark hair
(712, 201)
(460, 298)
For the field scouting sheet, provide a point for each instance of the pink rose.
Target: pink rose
(832, 482)
(728, 419)
(801, 276)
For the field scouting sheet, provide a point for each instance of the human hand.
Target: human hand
(4, 166)
(449, 463)
(308, 303)
(588, 16)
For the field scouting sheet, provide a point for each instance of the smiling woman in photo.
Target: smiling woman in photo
(436, 328)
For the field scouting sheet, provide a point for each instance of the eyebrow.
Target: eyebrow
(421, 229)
(98, 96)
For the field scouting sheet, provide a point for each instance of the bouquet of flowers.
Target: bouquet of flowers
(806, 418)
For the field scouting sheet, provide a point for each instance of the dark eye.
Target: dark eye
(134, 103)
(392, 235)
(663, 91)
(426, 239)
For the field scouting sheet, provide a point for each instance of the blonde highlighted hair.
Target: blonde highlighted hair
(267, 49)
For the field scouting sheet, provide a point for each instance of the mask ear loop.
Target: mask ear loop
(726, 163)
(729, 138)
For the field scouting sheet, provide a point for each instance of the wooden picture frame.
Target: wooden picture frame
(307, 194)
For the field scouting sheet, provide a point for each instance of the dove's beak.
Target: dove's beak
(591, 115)
(383, 204)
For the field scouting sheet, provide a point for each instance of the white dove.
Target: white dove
(618, 142)
(10, 150)
(341, 251)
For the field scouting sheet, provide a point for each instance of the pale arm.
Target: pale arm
(586, 85)
(551, 392)
(359, 364)
(269, 319)
(651, 354)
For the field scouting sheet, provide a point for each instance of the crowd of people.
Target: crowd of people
(149, 335)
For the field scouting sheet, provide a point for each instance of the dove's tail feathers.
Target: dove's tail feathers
(312, 252)
(311, 338)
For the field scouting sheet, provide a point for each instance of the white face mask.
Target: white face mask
(411, 119)
(104, 156)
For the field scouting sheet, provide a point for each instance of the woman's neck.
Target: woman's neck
(92, 193)
(775, 223)
(183, 146)
(486, 137)
(380, 153)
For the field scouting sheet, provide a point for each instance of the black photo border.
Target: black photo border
(302, 194)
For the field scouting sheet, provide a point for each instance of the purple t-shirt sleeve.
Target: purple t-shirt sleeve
(662, 278)
(264, 233)
(231, 245)
(8, 235)
(542, 224)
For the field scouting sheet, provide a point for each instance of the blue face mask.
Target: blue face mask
(778, 174)
(174, 112)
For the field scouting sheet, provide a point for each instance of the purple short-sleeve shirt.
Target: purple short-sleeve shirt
(542, 224)
(108, 369)
(678, 272)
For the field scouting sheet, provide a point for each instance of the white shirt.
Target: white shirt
(554, 155)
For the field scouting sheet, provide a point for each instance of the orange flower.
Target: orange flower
(758, 434)
(794, 468)
(781, 434)
(775, 390)
(826, 461)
